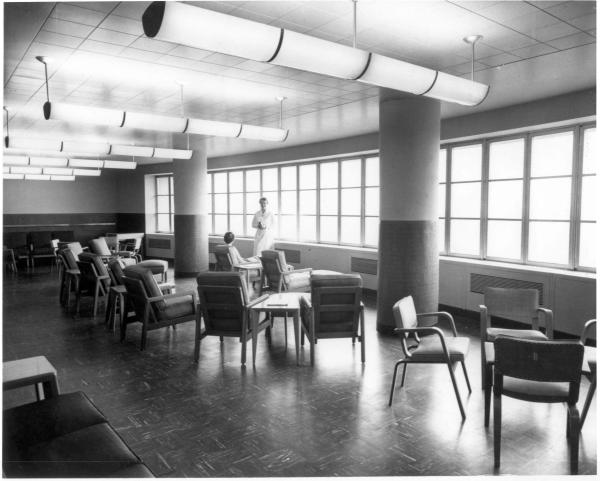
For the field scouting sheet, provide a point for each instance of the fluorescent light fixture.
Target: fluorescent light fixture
(93, 163)
(27, 143)
(87, 147)
(213, 127)
(131, 150)
(264, 133)
(219, 32)
(15, 160)
(62, 177)
(154, 122)
(172, 153)
(13, 176)
(57, 171)
(48, 161)
(119, 164)
(86, 172)
(83, 113)
(25, 170)
(36, 177)
(6, 170)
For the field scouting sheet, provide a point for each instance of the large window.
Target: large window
(334, 201)
(529, 198)
(164, 203)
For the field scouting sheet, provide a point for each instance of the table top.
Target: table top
(288, 301)
(28, 368)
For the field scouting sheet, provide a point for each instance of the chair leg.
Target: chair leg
(464, 368)
(403, 375)
(362, 337)
(497, 428)
(401, 361)
(460, 405)
(221, 338)
(144, 337)
(487, 396)
(573, 427)
(483, 364)
(588, 400)
(96, 295)
(243, 339)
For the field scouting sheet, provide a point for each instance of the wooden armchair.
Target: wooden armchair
(155, 310)
(334, 310)
(93, 281)
(589, 365)
(100, 247)
(435, 348)
(225, 307)
(277, 275)
(226, 263)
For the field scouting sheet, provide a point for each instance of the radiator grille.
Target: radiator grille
(363, 266)
(157, 243)
(479, 282)
(292, 256)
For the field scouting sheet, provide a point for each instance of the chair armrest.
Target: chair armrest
(548, 321)
(587, 329)
(443, 314)
(306, 269)
(426, 330)
(103, 277)
(258, 300)
(484, 322)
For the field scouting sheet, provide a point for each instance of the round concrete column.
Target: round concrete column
(409, 142)
(190, 186)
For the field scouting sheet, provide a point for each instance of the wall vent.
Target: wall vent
(363, 266)
(479, 282)
(292, 255)
(159, 243)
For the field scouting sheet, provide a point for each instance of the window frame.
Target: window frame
(171, 197)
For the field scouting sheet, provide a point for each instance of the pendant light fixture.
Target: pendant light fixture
(214, 31)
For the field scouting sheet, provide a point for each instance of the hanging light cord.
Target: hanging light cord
(354, 29)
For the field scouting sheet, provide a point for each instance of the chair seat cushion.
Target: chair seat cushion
(531, 334)
(157, 266)
(430, 349)
(535, 391)
(177, 307)
(298, 281)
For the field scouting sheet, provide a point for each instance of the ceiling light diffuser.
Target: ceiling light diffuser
(13, 176)
(93, 163)
(25, 170)
(119, 164)
(87, 172)
(15, 160)
(172, 153)
(48, 161)
(84, 114)
(265, 133)
(36, 177)
(132, 150)
(62, 177)
(94, 148)
(219, 32)
(57, 171)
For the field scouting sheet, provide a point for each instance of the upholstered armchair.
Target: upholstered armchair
(100, 247)
(277, 275)
(226, 263)
(93, 281)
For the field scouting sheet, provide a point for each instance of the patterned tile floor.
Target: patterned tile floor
(216, 419)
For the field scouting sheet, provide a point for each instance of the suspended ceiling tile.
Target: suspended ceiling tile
(67, 28)
(74, 13)
(104, 7)
(221, 59)
(152, 45)
(306, 15)
(571, 10)
(110, 36)
(534, 50)
(101, 47)
(253, 15)
(464, 68)
(190, 52)
(284, 23)
(140, 55)
(209, 68)
(269, 9)
(503, 11)
(584, 23)
(570, 41)
(123, 25)
(175, 61)
(224, 7)
(133, 10)
(57, 53)
(500, 59)
(510, 41)
(556, 30)
(52, 38)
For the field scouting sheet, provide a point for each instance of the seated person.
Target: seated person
(236, 257)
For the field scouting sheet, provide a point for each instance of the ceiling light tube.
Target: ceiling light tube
(179, 23)
(83, 113)
(87, 147)
(13, 176)
(36, 177)
(25, 170)
(62, 177)
(213, 127)
(119, 164)
(131, 150)
(161, 123)
(172, 153)
(263, 133)
(57, 171)
(27, 143)
(218, 32)
(15, 160)
(48, 161)
(93, 163)
(86, 172)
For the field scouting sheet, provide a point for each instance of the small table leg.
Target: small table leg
(254, 319)
(297, 336)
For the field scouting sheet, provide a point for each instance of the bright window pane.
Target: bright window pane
(549, 242)
(253, 181)
(587, 244)
(209, 203)
(550, 198)
(588, 197)
(288, 202)
(236, 181)
(162, 185)
(329, 228)
(350, 233)
(329, 201)
(372, 171)
(464, 236)
(236, 224)
(162, 223)
(221, 182)
(506, 159)
(288, 178)
(329, 174)
(272, 198)
(466, 200)
(466, 163)
(372, 201)
(308, 228)
(252, 204)
(372, 231)
(162, 204)
(287, 227)
(308, 201)
(505, 199)
(220, 224)
(351, 173)
(269, 181)
(249, 230)
(441, 200)
(308, 176)
(552, 154)
(441, 233)
(209, 183)
(350, 202)
(442, 166)
(236, 203)
(590, 159)
(504, 239)
(221, 203)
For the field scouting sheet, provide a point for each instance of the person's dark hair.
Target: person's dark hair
(263, 198)
(229, 237)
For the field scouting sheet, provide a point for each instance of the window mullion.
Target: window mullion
(526, 196)
(483, 227)
(576, 191)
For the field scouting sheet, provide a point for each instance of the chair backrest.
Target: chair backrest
(223, 256)
(405, 314)
(141, 285)
(69, 258)
(537, 360)
(99, 267)
(75, 248)
(336, 302)
(40, 239)
(223, 298)
(274, 264)
(515, 304)
(100, 247)
(115, 270)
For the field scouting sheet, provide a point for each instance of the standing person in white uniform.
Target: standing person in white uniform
(263, 221)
